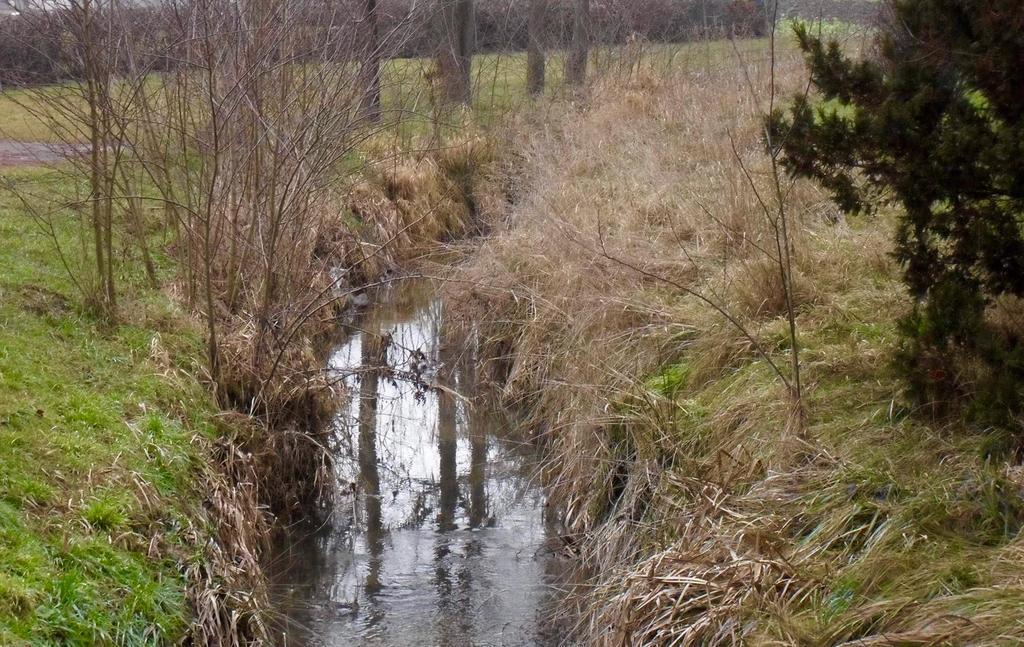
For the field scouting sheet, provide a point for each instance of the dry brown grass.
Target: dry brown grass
(227, 588)
(699, 515)
(407, 205)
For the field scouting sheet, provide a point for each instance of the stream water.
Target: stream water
(437, 535)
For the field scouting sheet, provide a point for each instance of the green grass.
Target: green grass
(19, 115)
(96, 452)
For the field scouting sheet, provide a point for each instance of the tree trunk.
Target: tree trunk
(457, 35)
(576, 61)
(535, 47)
(212, 345)
(98, 124)
(370, 69)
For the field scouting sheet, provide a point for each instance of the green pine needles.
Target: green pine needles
(934, 123)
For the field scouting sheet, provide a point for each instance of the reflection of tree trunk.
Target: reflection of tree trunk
(576, 61)
(478, 464)
(535, 47)
(446, 444)
(446, 438)
(478, 428)
(457, 31)
(374, 357)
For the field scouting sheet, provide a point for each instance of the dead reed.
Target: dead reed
(702, 510)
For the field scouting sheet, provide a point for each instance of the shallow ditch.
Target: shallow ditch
(437, 534)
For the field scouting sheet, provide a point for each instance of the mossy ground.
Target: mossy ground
(98, 468)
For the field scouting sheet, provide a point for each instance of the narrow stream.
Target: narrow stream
(438, 535)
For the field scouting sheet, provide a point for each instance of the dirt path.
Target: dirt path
(14, 153)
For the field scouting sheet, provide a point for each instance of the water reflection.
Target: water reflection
(374, 359)
(478, 449)
(446, 437)
(438, 536)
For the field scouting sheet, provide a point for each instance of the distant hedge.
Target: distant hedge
(501, 24)
(28, 56)
(34, 50)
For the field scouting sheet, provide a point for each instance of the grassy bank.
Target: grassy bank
(704, 511)
(104, 433)
(127, 512)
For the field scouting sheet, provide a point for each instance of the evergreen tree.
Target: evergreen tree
(933, 122)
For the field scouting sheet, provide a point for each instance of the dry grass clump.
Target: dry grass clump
(658, 190)
(704, 510)
(408, 203)
(227, 589)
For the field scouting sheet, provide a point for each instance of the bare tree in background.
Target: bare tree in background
(579, 50)
(83, 117)
(371, 62)
(457, 35)
(91, 32)
(535, 63)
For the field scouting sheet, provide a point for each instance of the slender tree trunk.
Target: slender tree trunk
(576, 61)
(139, 227)
(370, 70)
(455, 55)
(99, 164)
(135, 219)
(206, 253)
(108, 195)
(212, 345)
(535, 47)
(96, 199)
(233, 271)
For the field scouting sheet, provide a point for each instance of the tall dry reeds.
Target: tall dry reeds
(634, 304)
